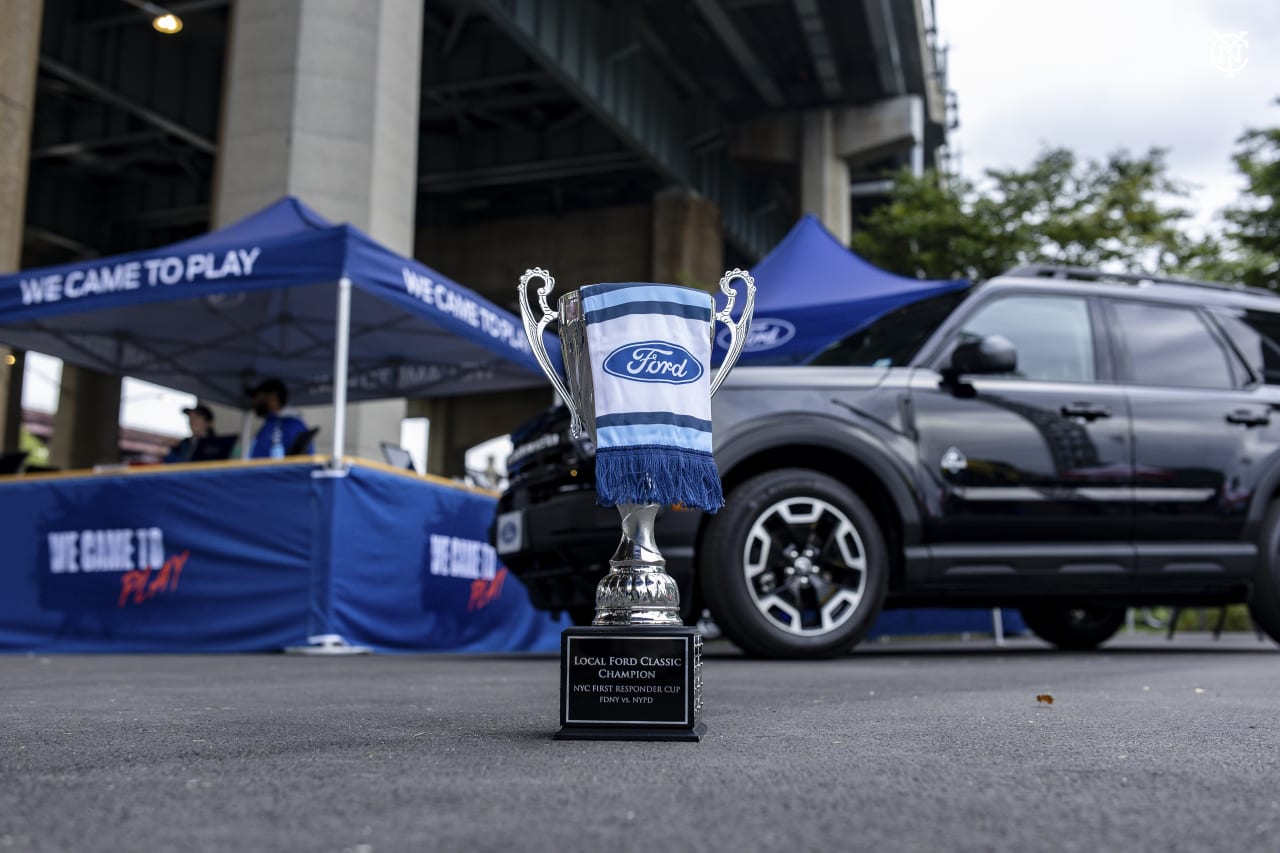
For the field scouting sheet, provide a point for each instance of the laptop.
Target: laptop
(215, 448)
(397, 456)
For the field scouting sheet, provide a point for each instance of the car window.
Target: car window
(1171, 346)
(1052, 334)
(894, 338)
(1255, 335)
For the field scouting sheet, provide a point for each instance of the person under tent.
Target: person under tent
(281, 432)
(203, 443)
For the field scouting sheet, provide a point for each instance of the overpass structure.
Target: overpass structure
(604, 139)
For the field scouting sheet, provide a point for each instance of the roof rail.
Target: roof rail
(1087, 274)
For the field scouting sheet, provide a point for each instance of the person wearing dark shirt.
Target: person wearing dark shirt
(279, 429)
(200, 419)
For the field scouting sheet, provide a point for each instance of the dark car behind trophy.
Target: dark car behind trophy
(1056, 440)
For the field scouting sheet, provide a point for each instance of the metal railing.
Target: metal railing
(1066, 272)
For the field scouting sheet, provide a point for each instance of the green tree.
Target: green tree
(1116, 213)
(1253, 223)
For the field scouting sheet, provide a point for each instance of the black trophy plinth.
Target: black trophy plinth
(631, 683)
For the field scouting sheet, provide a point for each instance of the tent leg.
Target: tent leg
(341, 347)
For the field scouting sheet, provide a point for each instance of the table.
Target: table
(256, 555)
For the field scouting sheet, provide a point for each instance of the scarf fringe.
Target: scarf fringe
(658, 475)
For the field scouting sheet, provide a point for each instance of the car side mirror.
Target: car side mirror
(992, 354)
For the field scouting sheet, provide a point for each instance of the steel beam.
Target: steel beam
(815, 36)
(492, 81)
(83, 146)
(884, 39)
(190, 7)
(115, 99)
(751, 66)
(536, 170)
(35, 233)
(574, 40)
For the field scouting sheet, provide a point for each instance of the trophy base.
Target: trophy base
(634, 682)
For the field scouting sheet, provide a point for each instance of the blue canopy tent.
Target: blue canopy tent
(270, 553)
(813, 291)
(284, 293)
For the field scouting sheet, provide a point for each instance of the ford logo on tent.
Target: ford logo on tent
(765, 333)
(654, 361)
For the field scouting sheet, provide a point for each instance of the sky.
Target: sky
(1101, 75)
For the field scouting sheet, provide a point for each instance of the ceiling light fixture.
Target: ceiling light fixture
(162, 20)
(168, 23)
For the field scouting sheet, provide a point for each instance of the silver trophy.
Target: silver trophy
(637, 590)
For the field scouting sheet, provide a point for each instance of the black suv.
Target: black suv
(1056, 440)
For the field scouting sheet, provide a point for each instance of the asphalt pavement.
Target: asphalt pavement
(1147, 745)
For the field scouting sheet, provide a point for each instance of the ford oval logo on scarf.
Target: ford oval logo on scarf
(654, 361)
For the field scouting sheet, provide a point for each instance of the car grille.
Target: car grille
(545, 460)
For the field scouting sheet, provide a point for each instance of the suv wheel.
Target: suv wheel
(1074, 628)
(793, 566)
(1264, 602)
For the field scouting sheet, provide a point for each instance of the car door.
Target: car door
(1203, 424)
(1032, 465)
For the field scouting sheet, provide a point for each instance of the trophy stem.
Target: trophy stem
(637, 590)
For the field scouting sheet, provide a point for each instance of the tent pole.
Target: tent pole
(341, 347)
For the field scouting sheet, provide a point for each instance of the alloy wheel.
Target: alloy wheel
(805, 566)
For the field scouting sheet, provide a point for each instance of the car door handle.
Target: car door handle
(1249, 418)
(1088, 411)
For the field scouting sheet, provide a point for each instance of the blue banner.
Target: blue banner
(253, 557)
(945, 621)
(414, 571)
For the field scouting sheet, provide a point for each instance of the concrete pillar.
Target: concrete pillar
(460, 423)
(581, 247)
(869, 133)
(688, 245)
(19, 54)
(368, 425)
(824, 174)
(88, 422)
(825, 143)
(86, 429)
(321, 102)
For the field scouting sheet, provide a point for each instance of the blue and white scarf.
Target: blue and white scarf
(650, 348)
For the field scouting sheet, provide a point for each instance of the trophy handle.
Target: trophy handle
(737, 330)
(534, 329)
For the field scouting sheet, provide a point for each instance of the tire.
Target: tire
(1074, 628)
(1264, 601)
(794, 566)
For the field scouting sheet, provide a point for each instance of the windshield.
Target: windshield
(894, 338)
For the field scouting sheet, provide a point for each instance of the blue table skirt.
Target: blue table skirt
(256, 556)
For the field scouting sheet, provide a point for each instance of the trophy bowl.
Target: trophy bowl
(637, 589)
